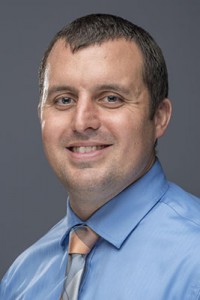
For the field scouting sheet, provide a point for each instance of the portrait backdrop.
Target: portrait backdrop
(32, 200)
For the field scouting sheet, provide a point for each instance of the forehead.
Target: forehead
(118, 48)
(114, 61)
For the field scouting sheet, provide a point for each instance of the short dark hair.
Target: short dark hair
(98, 28)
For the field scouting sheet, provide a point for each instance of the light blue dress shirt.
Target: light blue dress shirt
(149, 249)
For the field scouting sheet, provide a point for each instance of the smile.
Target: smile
(87, 149)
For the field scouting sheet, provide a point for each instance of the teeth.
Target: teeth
(86, 149)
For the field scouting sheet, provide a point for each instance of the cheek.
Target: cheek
(119, 123)
(137, 135)
(52, 128)
(126, 128)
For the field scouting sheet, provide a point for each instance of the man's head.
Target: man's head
(98, 126)
(99, 28)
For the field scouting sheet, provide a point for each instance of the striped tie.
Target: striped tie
(81, 241)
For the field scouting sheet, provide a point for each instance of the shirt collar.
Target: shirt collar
(117, 218)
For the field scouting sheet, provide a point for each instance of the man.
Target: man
(103, 106)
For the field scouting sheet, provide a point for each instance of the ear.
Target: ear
(39, 111)
(162, 117)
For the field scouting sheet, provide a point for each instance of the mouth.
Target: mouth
(86, 149)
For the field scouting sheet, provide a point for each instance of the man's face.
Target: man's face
(95, 116)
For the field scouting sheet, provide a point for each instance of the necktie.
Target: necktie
(81, 241)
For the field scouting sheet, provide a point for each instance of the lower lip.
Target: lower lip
(88, 155)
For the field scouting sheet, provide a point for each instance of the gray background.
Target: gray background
(32, 200)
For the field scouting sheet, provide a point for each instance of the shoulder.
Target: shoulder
(26, 265)
(178, 234)
(184, 204)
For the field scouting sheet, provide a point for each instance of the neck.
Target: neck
(86, 204)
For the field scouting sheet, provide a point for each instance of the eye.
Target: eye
(112, 101)
(64, 102)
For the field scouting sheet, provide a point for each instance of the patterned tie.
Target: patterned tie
(81, 241)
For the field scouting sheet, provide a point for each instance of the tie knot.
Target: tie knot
(81, 240)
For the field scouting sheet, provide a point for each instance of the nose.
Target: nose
(86, 116)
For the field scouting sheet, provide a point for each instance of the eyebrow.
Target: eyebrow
(98, 88)
(61, 88)
(114, 87)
